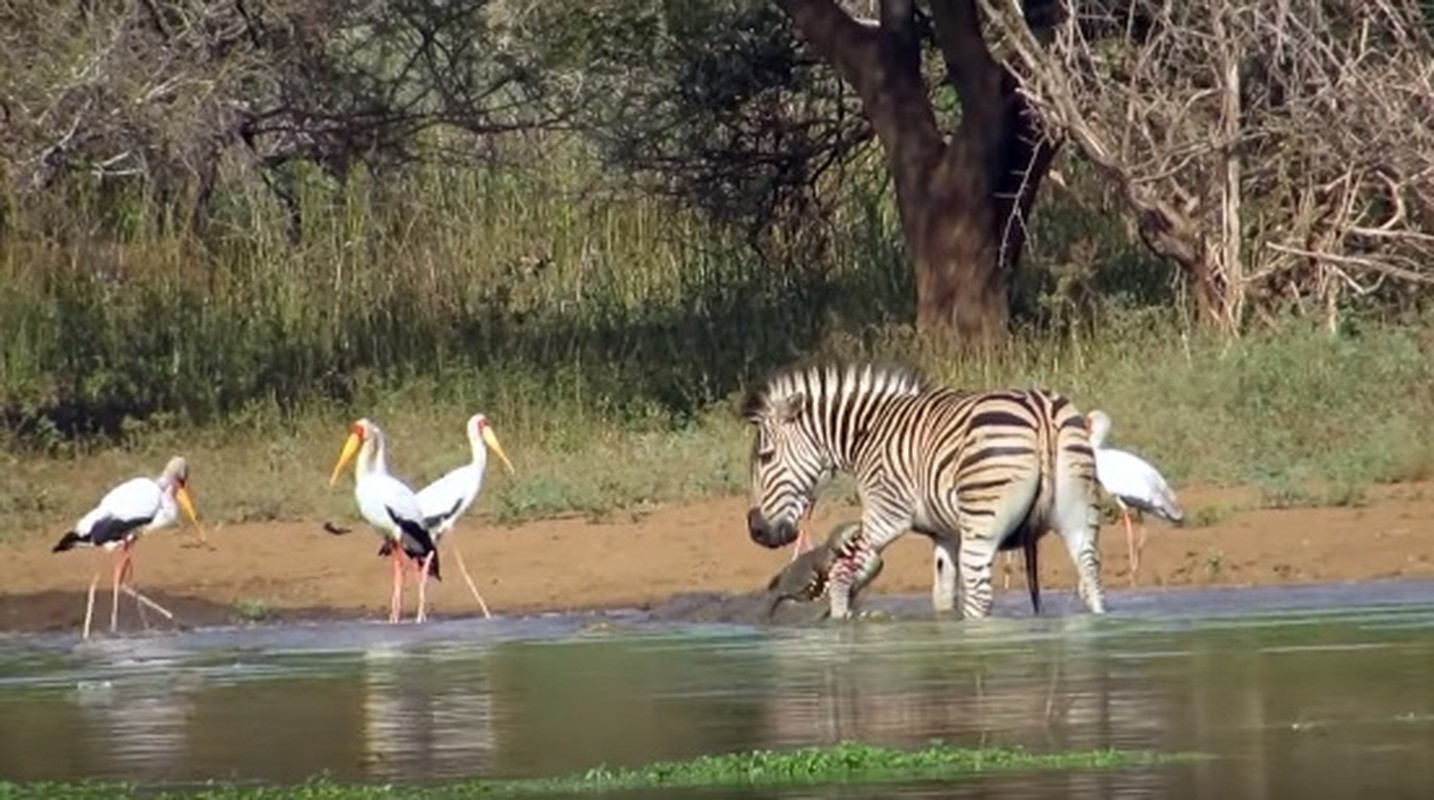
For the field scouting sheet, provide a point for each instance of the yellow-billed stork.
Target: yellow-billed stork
(391, 508)
(444, 501)
(1132, 482)
(126, 511)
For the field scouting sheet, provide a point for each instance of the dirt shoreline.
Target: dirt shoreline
(288, 571)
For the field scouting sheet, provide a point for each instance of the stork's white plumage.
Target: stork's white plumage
(1133, 483)
(124, 513)
(444, 501)
(387, 504)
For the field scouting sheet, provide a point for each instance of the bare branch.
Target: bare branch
(842, 41)
(1288, 141)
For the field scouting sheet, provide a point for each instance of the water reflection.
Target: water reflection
(1298, 703)
(425, 714)
(622, 703)
(904, 685)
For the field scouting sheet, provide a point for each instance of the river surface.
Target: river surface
(1295, 692)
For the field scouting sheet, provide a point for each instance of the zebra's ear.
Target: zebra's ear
(791, 407)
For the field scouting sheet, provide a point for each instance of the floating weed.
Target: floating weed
(844, 763)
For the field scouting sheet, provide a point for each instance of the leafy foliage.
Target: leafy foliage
(154, 96)
(720, 106)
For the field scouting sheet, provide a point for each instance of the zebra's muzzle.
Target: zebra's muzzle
(770, 534)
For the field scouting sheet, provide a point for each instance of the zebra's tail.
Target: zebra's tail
(1042, 511)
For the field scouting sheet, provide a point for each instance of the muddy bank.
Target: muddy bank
(691, 562)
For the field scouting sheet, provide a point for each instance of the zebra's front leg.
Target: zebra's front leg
(849, 575)
(858, 561)
(943, 573)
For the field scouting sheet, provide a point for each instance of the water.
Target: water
(1311, 692)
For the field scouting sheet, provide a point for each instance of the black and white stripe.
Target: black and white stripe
(974, 471)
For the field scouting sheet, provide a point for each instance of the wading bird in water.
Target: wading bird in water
(444, 501)
(1133, 483)
(392, 509)
(125, 512)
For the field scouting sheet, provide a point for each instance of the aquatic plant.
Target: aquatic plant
(846, 762)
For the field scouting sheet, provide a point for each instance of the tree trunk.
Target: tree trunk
(972, 225)
(964, 201)
(962, 293)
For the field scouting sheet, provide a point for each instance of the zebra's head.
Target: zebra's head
(787, 465)
(807, 423)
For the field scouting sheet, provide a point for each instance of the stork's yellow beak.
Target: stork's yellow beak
(491, 439)
(186, 504)
(351, 446)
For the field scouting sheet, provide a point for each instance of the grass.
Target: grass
(1211, 515)
(845, 763)
(251, 610)
(1308, 438)
(607, 337)
(1214, 563)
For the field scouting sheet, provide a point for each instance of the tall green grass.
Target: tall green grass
(520, 289)
(605, 332)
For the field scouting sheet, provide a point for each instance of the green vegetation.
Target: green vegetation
(422, 265)
(607, 340)
(1281, 412)
(843, 763)
(252, 610)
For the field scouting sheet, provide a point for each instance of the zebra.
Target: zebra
(804, 579)
(972, 470)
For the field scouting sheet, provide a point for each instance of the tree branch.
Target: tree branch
(884, 66)
(843, 42)
(969, 66)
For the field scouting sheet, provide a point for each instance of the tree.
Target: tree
(752, 109)
(715, 104)
(962, 195)
(155, 93)
(1282, 153)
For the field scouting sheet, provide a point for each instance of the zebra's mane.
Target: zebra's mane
(831, 380)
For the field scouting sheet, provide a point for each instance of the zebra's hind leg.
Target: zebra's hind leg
(976, 559)
(1079, 531)
(977, 555)
(943, 574)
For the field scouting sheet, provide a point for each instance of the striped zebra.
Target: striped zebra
(804, 579)
(973, 471)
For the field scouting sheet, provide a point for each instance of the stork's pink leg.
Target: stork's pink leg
(1140, 543)
(469, 580)
(803, 542)
(126, 585)
(90, 603)
(423, 587)
(1133, 554)
(396, 602)
(121, 565)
